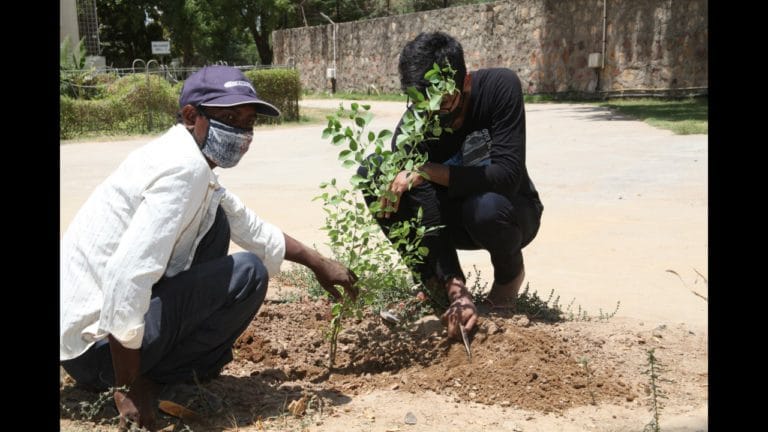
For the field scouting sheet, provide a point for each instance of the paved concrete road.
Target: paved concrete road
(624, 202)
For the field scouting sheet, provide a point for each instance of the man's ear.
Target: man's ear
(189, 115)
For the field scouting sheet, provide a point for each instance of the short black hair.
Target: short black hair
(418, 56)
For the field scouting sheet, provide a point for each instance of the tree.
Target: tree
(181, 21)
(126, 30)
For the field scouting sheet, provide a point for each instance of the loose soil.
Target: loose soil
(517, 365)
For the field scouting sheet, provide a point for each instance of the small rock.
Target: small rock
(523, 321)
(493, 328)
(472, 395)
(395, 387)
(298, 407)
(410, 418)
(506, 403)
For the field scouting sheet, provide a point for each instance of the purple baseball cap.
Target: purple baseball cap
(222, 86)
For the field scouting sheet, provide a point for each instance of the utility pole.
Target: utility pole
(332, 73)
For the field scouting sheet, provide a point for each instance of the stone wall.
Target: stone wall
(656, 45)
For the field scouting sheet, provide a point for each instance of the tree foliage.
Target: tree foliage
(233, 31)
(126, 30)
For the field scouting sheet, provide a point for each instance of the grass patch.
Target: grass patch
(539, 98)
(393, 97)
(312, 115)
(683, 117)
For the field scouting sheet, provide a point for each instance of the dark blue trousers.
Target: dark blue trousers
(501, 225)
(193, 319)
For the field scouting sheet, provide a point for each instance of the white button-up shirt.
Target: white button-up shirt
(144, 222)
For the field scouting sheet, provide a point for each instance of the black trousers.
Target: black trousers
(193, 319)
(487, 221)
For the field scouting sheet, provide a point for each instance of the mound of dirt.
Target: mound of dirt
(280, 378)
(513, 362)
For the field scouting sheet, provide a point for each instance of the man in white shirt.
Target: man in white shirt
(148, 292)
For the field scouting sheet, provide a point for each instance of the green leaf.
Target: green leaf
(423, 251)
(344, 154)
(349, 163)
(371, 136)
(360, 121)
(327, 132)
(415, 95)
(337, 139)
(434, 103)
(356, 180)
(355, 106)
(366, 107)
(385, 135)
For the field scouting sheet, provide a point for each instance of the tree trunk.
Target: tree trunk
(262, 44)
(262, 41)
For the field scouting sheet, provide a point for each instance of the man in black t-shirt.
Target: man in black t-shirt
(478, 186)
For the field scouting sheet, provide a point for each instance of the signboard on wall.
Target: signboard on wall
(161, 47)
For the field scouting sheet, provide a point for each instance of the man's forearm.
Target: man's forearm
(296, 252)
(437, 173)
(126, 363)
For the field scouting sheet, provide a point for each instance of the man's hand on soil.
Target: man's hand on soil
(331, 273)
(461, 312)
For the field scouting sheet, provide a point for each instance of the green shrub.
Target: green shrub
(116, 106)
(124, 109)
(281, 88)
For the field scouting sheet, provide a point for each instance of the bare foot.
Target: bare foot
(505, 295)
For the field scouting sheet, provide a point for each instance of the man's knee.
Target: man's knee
(251, 277)
(487, 212)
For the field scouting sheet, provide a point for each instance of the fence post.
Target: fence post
(149, 111)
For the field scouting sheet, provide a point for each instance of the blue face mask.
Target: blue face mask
(225, 144)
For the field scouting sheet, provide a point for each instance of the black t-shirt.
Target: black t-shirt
(496, 111)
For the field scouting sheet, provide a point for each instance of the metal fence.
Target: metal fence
(174, 73)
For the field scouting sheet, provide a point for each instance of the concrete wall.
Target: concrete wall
(650, 45)
(68, 21)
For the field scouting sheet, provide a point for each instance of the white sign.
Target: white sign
(161, 47)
